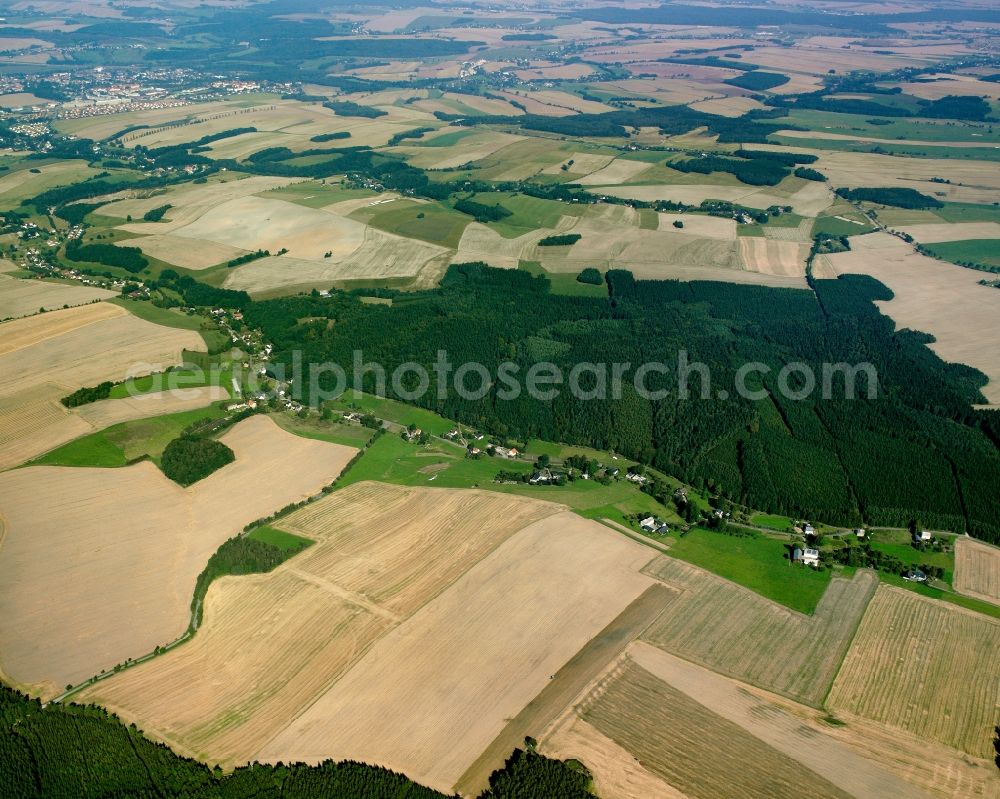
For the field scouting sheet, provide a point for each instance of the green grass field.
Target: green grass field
(528, 213)
(178, 378)
(566, 284)
(898, 128)
(978, 251)
(128, 441)
(834, 226)
(431, 222)
(446, 139)
(759, 563)
(351, 435)
(314, 194)
(393, 411)
(279, 538)
(772, 522)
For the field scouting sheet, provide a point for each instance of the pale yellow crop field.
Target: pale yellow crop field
(773, 256)
(930, 233)
(806, 200)
(435, 691)
(105, 413)
(470, 148)
(68, 530)
(709, 227)
(253, 223)
(686, 745)
(185, 252)
(23, 297)
(977, 569)
(481, 243)
(971, 181)
(732, 630)
(582, 164)
(728, 106)
(390, 565)
(935, 297)
(621, 170)
(49, 355)
(926, 667)
(381, 256)
(190, 202)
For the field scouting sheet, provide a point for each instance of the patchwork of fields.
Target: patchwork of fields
(392, 570)
(152, 534)
(918, 648)
(442, 609)
(50, 355)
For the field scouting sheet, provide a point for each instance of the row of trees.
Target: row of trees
(916, 446)
(72, 751)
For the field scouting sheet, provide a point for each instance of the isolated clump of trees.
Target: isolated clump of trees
(88, 394)
(190, 458)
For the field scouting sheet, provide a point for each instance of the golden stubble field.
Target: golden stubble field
(932, 296)
(732, 630)
(925, 667)
(47, 356)
(419, 622)
(99, 565)
(214, 223)
(25, 297)
(977, 569)
(654, 724)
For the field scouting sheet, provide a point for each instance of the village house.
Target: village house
(653, 525)
(923, 537)
(860, 533)
(542, 477)
(810, 557)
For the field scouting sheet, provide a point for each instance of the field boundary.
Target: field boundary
(568, 683)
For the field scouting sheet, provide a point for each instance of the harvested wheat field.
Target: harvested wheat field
(25, 297)
(34, 421)
(617, 773)
(709, 227)
(977, 569)
(732, 630)
(579, 164)
(272, 644)
(52, 354)
(190, 202)
(961, 231)
(473, 147)
(621, 170)
(797, 731)
(926, 667)
(934, 297)
(700, 753)
(253, 223)
(105, 413)
(435, 691)
(773, 256)
(971, 181)
(185, 252)
(381, 255)
(481, 243)
(64, 620)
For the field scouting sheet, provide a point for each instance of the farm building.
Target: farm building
(923, 536)
(810, 557)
